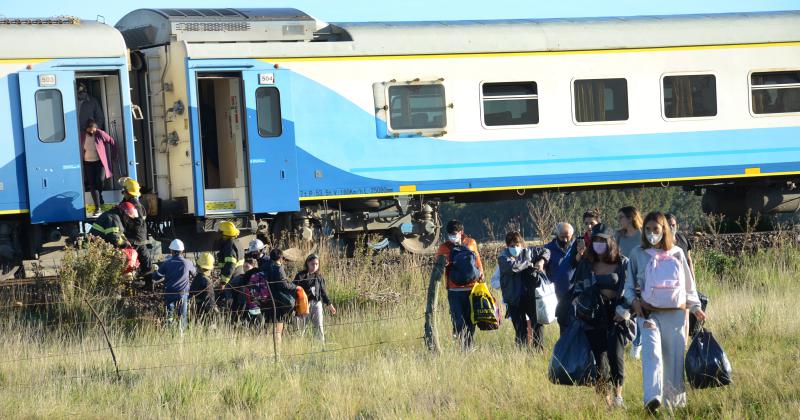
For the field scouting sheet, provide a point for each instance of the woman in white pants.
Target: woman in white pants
(667, 287)
(313, 284)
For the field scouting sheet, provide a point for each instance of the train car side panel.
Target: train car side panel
(13, 187)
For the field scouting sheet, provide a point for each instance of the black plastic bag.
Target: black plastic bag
(706, 364)
(572, 362)
(695, 326)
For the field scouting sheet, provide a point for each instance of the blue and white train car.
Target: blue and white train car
(42, 63)
(367, 126)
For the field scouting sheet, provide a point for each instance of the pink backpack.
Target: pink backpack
(257, 291)
(665, 281)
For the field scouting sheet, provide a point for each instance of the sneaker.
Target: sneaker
(619, 402)
(652, 406)
(97, 213)
(636, 352)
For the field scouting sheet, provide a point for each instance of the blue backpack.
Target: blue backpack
(463, 266)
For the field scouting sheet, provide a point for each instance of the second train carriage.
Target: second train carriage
(355, 127)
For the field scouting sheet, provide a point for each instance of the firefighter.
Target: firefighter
(110, 225)
(229, 260)
(136, 229)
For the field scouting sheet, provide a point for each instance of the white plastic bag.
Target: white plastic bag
(546, 302)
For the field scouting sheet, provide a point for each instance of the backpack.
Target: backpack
(546, 301)
(589, 307)
(463, 266)
(483, 309)
(257, 292)
(665, 281)
(301, 305)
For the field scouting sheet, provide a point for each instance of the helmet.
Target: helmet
(228, 229)
(206, 261)
(129, 209)
(176, 245)
(255, 246)
(131, 186)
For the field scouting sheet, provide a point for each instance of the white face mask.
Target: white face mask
(514, 250)
(654, 238)
(456, 239)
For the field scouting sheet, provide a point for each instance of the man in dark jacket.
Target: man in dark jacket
(110, 225)
(283, 292)
(136, 228)
(520, 269)
(229, 259)
(560, 269)
(202, 289)
(175, 272)
(89, 108)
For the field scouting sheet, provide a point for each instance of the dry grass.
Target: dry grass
(224, 372)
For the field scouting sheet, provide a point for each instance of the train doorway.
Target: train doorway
(98, 97)
(223, 143)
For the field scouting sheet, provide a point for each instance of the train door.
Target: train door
(99, 98)
(52, 153)
(222, 143)
(271, 141)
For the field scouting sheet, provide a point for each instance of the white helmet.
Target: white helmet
(176, 245)
(255, 246)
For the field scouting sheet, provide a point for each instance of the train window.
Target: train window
(601, 100)
(50, 116)
(690, 96)
(415, 107)
(510, 103)
(776, 92)
(268, 112)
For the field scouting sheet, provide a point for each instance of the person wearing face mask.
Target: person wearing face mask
(518, 280)
(559, 270)
(655, 268)
(590, 219)
(603, 272)
(681, 240)
(458, 293)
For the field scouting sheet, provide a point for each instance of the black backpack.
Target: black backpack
(463, 265)
(589, 307)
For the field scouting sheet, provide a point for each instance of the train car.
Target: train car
(43, 64)
(270, 116)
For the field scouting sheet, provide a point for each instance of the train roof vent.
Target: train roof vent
(150, 27)
(57, 20)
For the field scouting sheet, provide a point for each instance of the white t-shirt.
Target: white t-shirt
(89, 149)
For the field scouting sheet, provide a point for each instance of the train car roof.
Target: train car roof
(152, 27)
(62, 37)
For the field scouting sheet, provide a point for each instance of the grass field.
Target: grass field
(375, 364)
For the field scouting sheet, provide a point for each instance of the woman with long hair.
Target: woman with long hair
(666, 288)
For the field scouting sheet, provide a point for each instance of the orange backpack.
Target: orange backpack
(301, 305)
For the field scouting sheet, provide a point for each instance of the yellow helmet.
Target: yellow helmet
(206, 261)
(131, 186)
(228, 229)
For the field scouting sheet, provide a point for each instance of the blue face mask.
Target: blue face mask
(514, 250)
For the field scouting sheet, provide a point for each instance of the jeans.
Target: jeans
(637, 341)
(663, 347)
(460, 314)
(564, 312)
(181, 305)
(520, 313)
(315, 315)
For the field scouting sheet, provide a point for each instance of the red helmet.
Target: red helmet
(129, 209)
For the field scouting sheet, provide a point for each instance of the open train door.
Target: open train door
(52, 151)
(271, 141)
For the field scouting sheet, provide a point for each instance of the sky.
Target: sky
(404, 10)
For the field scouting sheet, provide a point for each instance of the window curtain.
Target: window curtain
(682, 97)
(590, 101)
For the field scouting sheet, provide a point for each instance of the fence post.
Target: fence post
(431, 333)
(105, 334)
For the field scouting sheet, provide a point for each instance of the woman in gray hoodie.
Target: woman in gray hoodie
(660, 271)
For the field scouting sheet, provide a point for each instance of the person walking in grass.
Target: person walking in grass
(559, 269)
(660, 272)
(175, 273)
(628, 237)
(313, 284)
(459, 261)
(519, 277)
(600, 277)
